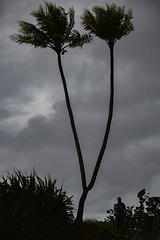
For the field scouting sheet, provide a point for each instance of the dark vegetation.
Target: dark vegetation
(141, 222)
(32, 208)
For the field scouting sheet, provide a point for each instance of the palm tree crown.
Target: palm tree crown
(109, 24)
(54, 29)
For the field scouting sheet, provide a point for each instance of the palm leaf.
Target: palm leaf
(53, 29)
(89, 21)
(30, 34)
(109, 23)
(77, 40)
(71, 22)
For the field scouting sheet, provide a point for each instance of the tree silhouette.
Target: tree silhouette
(55, 30)
(109, 23)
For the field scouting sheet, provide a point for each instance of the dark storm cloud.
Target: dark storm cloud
(4, 113)
(41, 131)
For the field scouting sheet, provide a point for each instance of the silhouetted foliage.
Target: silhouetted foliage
(54, 29)
(31, 208)
(141, 222)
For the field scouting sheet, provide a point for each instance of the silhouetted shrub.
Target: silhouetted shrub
(31, 208)
(141, 222)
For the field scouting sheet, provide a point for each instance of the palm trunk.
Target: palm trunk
(79, 217)
(71, 117)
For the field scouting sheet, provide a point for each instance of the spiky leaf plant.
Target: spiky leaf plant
(32, 208)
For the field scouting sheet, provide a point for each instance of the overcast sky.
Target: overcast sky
(34, 125)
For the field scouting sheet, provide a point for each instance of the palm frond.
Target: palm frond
(78, 40)
(30, 34)
(51, 19)
(71, 23)
(109, 23)
(89, 21)
(53, 29)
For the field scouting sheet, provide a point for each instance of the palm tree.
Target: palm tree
(54, 29)
(109, 23)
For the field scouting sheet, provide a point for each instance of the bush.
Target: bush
(141, 222)
(31, 208)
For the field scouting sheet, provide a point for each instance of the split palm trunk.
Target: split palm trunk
(86, 189)
(79, 217)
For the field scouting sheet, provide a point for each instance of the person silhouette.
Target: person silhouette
(120, 211)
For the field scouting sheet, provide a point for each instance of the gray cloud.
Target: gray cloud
(4, 113)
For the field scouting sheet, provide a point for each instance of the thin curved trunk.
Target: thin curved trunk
(108, 127)
(79, 217)
(78, 148)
